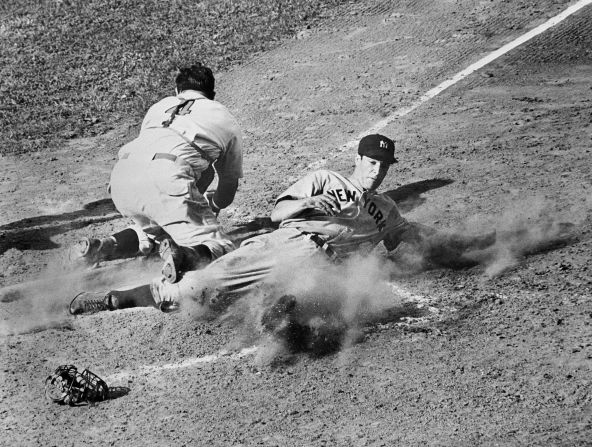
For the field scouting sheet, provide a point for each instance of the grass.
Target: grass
(75, 68)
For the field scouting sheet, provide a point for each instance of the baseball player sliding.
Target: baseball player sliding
(161, 178)
(325, 215)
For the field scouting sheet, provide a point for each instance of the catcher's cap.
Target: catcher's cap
(378, 147)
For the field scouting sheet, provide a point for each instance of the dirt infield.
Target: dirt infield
(498, 354)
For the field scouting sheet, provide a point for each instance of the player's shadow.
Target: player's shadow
(407, 198)
(35, 233)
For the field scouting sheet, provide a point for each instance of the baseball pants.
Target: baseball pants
(262, 262)
(162, 194)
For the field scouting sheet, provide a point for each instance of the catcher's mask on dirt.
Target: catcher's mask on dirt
(197, 77)
(70, 387)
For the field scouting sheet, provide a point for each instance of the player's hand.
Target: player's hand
(325, 203)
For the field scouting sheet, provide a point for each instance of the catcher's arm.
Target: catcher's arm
(205, 179)
(229, 170)
(224, 194)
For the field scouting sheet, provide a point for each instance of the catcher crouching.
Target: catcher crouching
(161, 178)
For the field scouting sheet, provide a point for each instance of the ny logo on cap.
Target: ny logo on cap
(383, 144)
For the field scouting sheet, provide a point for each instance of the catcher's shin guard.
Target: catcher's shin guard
(70, 387)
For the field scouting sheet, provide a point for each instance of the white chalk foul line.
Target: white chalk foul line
(187, 363)
(408, 296)
(146, 370)
(469, 70)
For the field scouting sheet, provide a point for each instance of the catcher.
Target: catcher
(324, 218)
(161, 178)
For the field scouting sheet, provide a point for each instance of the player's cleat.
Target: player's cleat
(91, 302)
(172, 255)
(178, 259)
(169, 306)
(91, 250)
(164, 302)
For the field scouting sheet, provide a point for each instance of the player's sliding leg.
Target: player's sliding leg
(92, 302)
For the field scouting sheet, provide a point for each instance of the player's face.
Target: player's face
(370, 172)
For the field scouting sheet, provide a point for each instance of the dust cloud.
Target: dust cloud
(43, 303)
(334, 302)
(501, 242)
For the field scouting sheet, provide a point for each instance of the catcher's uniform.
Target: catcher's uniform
(365, 219)
(160, 177)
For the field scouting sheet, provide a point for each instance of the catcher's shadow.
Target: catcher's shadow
(35, 233)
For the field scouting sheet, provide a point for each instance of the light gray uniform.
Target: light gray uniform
(365, 219)
(159, 175)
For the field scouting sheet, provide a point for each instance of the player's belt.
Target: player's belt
(158, 156)
(323, 245)
(165, 156)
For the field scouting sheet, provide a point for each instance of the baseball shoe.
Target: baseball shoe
(178, 259)
(164, 303)
(91, 250)
(86, 303)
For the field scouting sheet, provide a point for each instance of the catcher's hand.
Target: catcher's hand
(210, 198)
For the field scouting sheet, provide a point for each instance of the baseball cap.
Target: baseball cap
(378, 147)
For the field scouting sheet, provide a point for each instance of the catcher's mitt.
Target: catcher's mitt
(70, 387)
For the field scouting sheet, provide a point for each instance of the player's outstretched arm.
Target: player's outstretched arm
(415, 234)
(288, 208)
(444, 248)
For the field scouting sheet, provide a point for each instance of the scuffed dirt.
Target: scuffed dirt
(496, 354)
